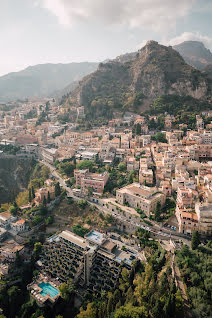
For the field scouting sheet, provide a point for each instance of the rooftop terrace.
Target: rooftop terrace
(95, 237)
(73, 238)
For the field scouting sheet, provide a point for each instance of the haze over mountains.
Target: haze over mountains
(55, 80)
(194, 53)
(42, 80)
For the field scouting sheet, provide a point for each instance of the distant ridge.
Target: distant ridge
(42, 80)
(194, 53)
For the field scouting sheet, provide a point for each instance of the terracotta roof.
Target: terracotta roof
(5, 215)
(189, 215)
(20, 222)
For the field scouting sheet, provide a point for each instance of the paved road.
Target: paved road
(155, 229)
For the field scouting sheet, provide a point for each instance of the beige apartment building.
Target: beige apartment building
(187, 220)
(146, 176)
(204, 214)
(138, 196)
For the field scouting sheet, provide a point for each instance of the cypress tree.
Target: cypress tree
(138, 129)
(33, 192)
(57, 189)
(157, 211)
(157, 310)
(44, 201)
(30, 195)
(195, 241)
(48, 198)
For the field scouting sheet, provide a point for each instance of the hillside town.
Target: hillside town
(177, 163)
(141, 177)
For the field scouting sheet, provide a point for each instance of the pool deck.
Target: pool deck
(35, 290)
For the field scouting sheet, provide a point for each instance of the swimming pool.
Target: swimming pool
(48, 289)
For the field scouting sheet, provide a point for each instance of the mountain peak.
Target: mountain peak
(195, 53)
(155, 70)
(192, 42)
(152, 43)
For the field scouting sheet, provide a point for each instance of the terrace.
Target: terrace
(95, 237)
(44, 290)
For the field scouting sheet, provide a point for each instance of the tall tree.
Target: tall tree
(30, 195)
(157, 211)
(195, 241)
(48, 198)
(37, 249)
(67, 289)
(138, 129)
(33, 192)
(44, 201)
(57, 189)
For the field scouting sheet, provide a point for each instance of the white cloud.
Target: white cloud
(141, 44)
(189, 36)
(155, 14)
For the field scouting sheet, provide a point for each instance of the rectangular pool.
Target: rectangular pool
(48, 289)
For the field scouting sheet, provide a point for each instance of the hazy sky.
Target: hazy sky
(41, 31)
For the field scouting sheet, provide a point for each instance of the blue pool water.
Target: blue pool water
(48, 289)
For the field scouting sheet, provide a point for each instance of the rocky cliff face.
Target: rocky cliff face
(208, 71)
(194, 53)
(156, 70)
(14, 176)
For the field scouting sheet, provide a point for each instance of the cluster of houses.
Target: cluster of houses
(181, 165)
(10, 226)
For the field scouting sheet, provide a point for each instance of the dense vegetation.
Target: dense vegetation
(15, 175)
(9, 149)
(175, 105)
(133, 85)
(146, 291)
(196, 270)
(119, 177)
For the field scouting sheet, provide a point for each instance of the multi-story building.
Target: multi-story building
(49, 154)
(95, 260)
(94, 181)
(204, 214)
(125, 141)
(66, 256)
(169, 160)
(199, 122)
(18, 226)
(194, 209)
(204, 152)
(132, 163)
(207, 137)
(6, 218)
(9, 250)
(146, 176)
(186, 198)
(187, 220)
(108, 262)
(138, 196)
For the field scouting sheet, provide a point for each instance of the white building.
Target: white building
(18, 226)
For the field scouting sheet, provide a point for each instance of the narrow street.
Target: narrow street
(161, 233)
